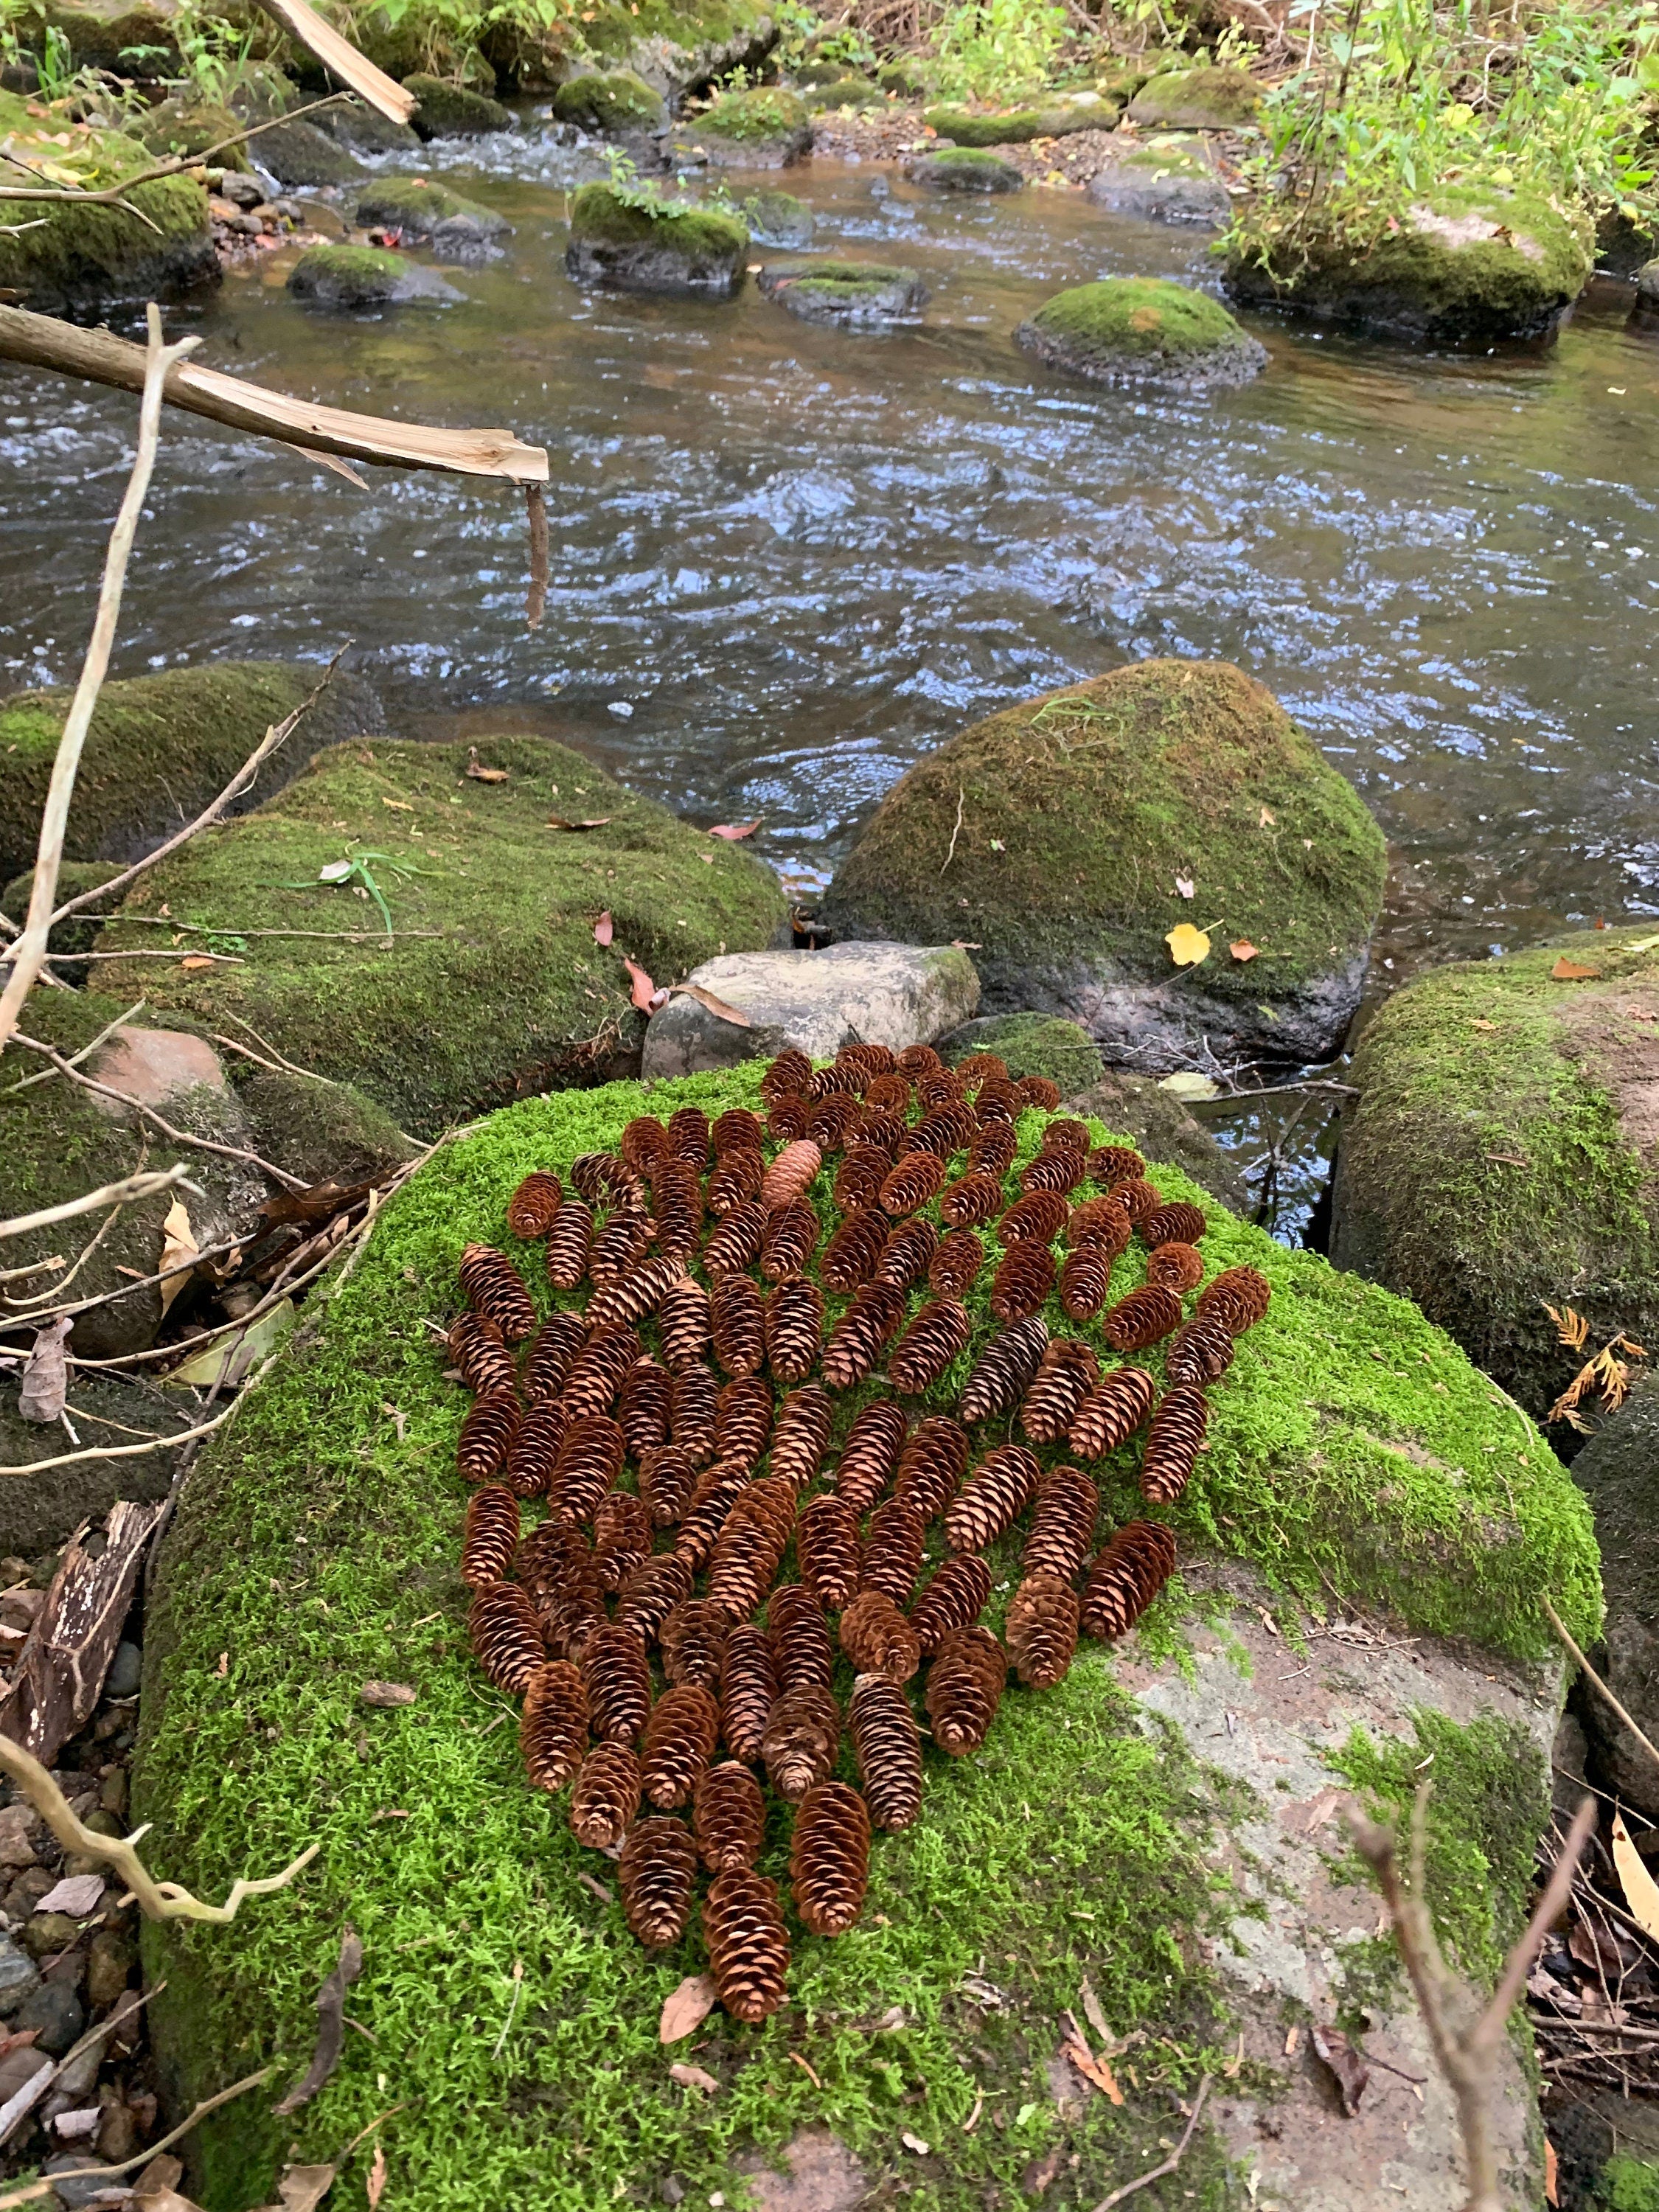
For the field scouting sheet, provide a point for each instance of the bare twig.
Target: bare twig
(36, 1317)
(535, 499)
(46, 1074)
(134, 1451)
(33, 2191)
(174, 165)
(1624, 1714)
(951, 852)
(1158, 2172)
(112, 1193)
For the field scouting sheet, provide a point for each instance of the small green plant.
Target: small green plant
(355, 873)
(997, 49)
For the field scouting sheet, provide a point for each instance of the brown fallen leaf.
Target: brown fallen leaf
(301, 2189)
(178, 1252)
(1347, 2066)
(192, 961)
(1641, 1894)
(1550, 2194)
(1096, 2018)
(810, 2073)
(387, 1694)
(691, 2078)
(1241, 949)
(722, 1009)
(1571, 971)
(45, 1376)
(1093, 2069)
(375, 2186)
(1040, 2174)
(644, 994)
(734, 831)
(558, 822)
(330, 2034)
(604, 929)
(478, 772)
(685, 2008)
(1483, 1026)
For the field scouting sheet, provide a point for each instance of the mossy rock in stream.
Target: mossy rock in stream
(844, 92)
(609, 103)
(421, 208)
(507, 992)
(454, 110)
(1197, 99)
(343, 277)
(304, 157)
(655, 245)
(133, 39)
(191, 126)
(160, 747)
(853, 295)
(1030, 1044)
(1500, 1156)
(965, 169)
(776, 218)
(1354, 1458)
(1052, 836)
(1168, 179)
(1018, 126)
(764, 130)
(1142, 331)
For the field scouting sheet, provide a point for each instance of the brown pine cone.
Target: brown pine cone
(956, 1593)
(743, 1422)
(827, 1551)
(1126, 1578)
(998, 1100)
(747, 1943)
(992, 1150)
(475, 1345)
(616, 1679)
(534, 1205)
(893, 1550)
(1057, 1171)
(1139, 1199)
(1037, 1218)
(693, 1406)
(788, 1120)
(858, 1339)
(688, 1136)
(677, 1202)
(942, 1132)
(1176, 1223)
(1145, 1317)
(1042, 1630)
(991, 1499)
(550, 1558)
(642, 1408)
(1200, 1352)
(1084, 1282)
(680, 1736)
(552, 1355)
(793, 1322)
(888, 1745)
(907, 1254)
(1112, 1412)
(1066, 1134)
(883, 1126)
(1111, 1164)
(1239, 1297)
(1004, 1371)
(1062, 1531)
(638, 1292)
(964, 1688)
(737, 1130)
(622, 1538)
(492, 1535)
(888, 1093)
(748, 1689)
(979, 1067)
(493, 1286)
(877, 1638)
(859, 1177)
(917, 1060)
(643, 1144)
(830, 1858)
(572, 1615)
(802, 1654)
(553, 1727)
(534, 1452)
(607, 1796)
(591, 1456)
(786, 1076)
(651, 1593)
(487, 1435)
(728, 1817)
(693, 1640)
(831, 1119)
(717, 1492)
(791, 1174)
(802, 1435)
(565, 1254)
(596, 1376)
(1174, 1267)
(734, 1242)
(1068, 1372)
(955, 1268)
(602, 1180)
(791, 1238)
(932, 1465)
(868, 1060)
(938, 1334)
(735, 1187)
(656, 1868)
(750, 1548)
(1102, 1223)
(667, 1480)
(870, 1454)
(738, 1314)
(506, 1632)
(802, 1737)
(850, 1257)
(909, 1185)
(618, 1247)
(1023, 1281)
(1172, 1444)
(1038, 1092)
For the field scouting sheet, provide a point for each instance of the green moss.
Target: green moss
(415, 205)
(510, 992)
(1198, 99)
(1031, 1044)
(870, 294)
(966, 169)
(59, 258)
(1629, 2184)
(754, 119)
(74, 935)
(128, 37)
(608, 101)
(348, 276)
(454, 110)
(1017, 125)
(1080, 808)
(601, 216)
(1169, 157)
(322, 1132)
(315, 1547)
(846, 92)
(1137, 319)
(1484, 1169)
(687, 28)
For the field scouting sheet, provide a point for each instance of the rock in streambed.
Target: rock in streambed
(1141, 330)
(854, 296)
(639, 246)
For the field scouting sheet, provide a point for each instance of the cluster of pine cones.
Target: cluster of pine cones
(626, 1616)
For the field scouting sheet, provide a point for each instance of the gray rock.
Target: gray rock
(20, 1977)
(298, 154)
(776, 218)
(1163, 180)
(363, 130)
(122, 1680)
(74, 2194)
(58, 2015)
(240, 190)
(1647, 284)
(419, 208)
(1618, 1471)
(465, 238)
(21, 1829)
(891, 994)
(343, 277)
(965, 169)
(853, 295)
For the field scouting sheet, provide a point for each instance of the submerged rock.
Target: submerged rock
(1162, 180)
(424, 213)
(453, 111)
(657, 246)
(1139, 329)
(345, 276)
(857, 296)
(609, 104)
(964, 169)
(776, 218)
(1197, 99)
(765, 129)
(1081, 811)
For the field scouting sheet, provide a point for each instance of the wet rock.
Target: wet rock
(133, 39)
(420, 211)
(1142, 331)
(301, 157)
(1089, 111)
(46, 1934)
(362, 129)
(764, 130)
(1197, 99)
(964, 169)
(609, 104)
(854, 295)
(1162, 180)
(343, 278)
(1162, 1128)
(776, 218)
(20, 1977)
(109, 1962)
(73, 2195)
(1647, 284)
(452, 111)
(1081, 811)
(665, 247)
(55, 2014)
(21, 1829)
(122, 1680)
(242, 192)
(892, 994)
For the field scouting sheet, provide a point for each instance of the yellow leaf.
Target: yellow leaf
(1187, 946)
(1641, 1891)
(177, 1253)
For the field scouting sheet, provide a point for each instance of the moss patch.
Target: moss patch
(868, 293)
(754, 117)
(189, 126)
(846, 92)
(1197, 99)
(1018, 126)
(966, 169)
(776, 218)
(601, 216)
(415, 205)
(454, 110)
(1031, 1044)
(350, 276)
(512, 993)
(1629, 2184)
(608, 101)
(1136, 329)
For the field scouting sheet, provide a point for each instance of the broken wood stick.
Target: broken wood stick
(149, 1185)
(342, 57)
(67, 1653)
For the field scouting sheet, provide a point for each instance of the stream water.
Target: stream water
(804, 558)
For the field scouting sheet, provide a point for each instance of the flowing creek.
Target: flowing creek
(804, 558)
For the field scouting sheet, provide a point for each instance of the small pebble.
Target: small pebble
(620, 709)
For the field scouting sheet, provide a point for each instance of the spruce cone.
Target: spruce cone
(992, 1150)
(791, 1173)
(604, 1181)
(475, 1345)
(1069, 1372)
(716, 1494)
(492, 1536)
(979, 1067)
(888, 1094)
(553, 1354)
(677, 1201)
(998, 1100)
(1066, 1134)
(1084, 1282)
(888, 1744)
(893, 1550)
(737, 1130)
(728, 1817)
(638, 1292)
(856, 1341)
(493, 1286)
(787, 1076)
(941, 1132)
(1139, 1199)
(1023, 1281)
(907, 1255)
(794, 1319)
(532, 1208)
(553, 1727)
(652, 1592)
(831, 1120)
(568, 1241)
(1239, 1297)
(802, 1654)
(693, 1406)
(859, 1177)
(954, 1269)
(1037, 1219)
(1004, 1371)
(883, 1126)
(1142, 1319)
(1111, 1164)
(788, 1120)
(734, 1242)
(596, 1376)
(932, 1465)
(964, 1688)
(830, 1858)
(622, 1538)
(867, 1060)
(1172, 1442)
(869, 1456)
(693, 1639)
(917, 1060)
(802, 1435)
(738, 1313)
(1042, 1630)
(679, 1741)
(743, 1422)
(1038, 1092)
(487, 1435)
(747, 1942)
(850, 1257)
(590, 1459)
(1112, 1412)
(956, 1596)
(803, 1736)
(1102, 1223)
(991, 1500)
(750, 1547)
(668, 1480)
(836, 1081)
(735, 1186)
(791, 1239)
(688, 1136)
(1174, 1267)
(1177, 1223)
(877, 1638)
(1063, 1527)
(617, 1249)
(573, 1615)
(1126, 1578)
(616, 1679)
(552, 1558)
(656, 1868)
(938, 1334)
(642, 1409)
(1057, 1171)
(506, 1635)
(1200, 1352)
(827, 1551)
(748, 1689)
(918, 1177)
(607, 1796)
(643, 1144)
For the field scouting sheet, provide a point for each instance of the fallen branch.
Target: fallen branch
(162, 1443)
(32, 2191)
(36, 1315)
(535, 499)
(46, 1074)
(1623, 1713)
(331, 2026)
(112, 1193)
(236, 929)
(1169, 2164)
(341, 58)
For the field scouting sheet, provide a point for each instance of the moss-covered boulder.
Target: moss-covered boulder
(316, 1128)
(1096, 1846)
(493, 984)
(776, 218)
(1470, 266)
(424, 212)
(1056, 837)
(964, 169)
(611, 103)
(343, 277)
(40, 1511)
(443, 110)
(844, 92)
(1140, 330)
(363, 130)
(637, 245)
(160, 747)
(764, 130)
(1030, 1044)
(304, 158)
(191, 126)
(129, 38)
(1500, 1157)
(1197, 99)
(853, 295)
(1166, 178)
(1018, 126)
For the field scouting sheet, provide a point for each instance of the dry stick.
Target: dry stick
(127, 1289)
(1624, 1714)
(133, 1452)
(30, 950)
(86, 1051)
(236, 929)
(8, 954)
(33, 2191)
(113, 1194)
(535, 500)
(118, 2016)
(28, 1299)
(1169, 2164)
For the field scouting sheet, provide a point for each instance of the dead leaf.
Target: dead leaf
(558, 822)
(967, 944)
(1571, 971)
(692, 2077)
(811, 2075)
(1187, 946)
(398, 805)
(1093, 2069)
(387, 1694)
(1319, 1810)
(604, 929)
(734, 831)
(376, 2183)
(1641, 1891)
(45, 1376)
(478, 772)
(1185, 885)
(330, 2033)
(1483, 1026)
(914, 2143)
(1096, 2018)
(722, 1009)
(686, 2008)
(1292, 2037)
(77, 1895)
(1550, 2196)
(178, 1252)
(301, 2189)
(1241, 949)
(1038, 2175)
(1347, 2066)
(192, 961)
(644, 994)
(1267, 819)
